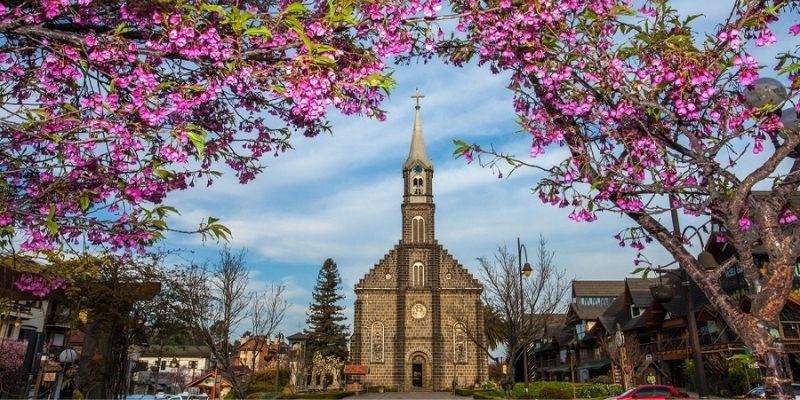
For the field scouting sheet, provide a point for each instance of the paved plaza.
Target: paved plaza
(407, 395)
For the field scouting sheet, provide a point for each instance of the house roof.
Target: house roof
(639, 290)
(597, 288)
(206, 380)
(186, 351)
(297, 337)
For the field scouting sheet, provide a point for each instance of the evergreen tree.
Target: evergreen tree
(327, 335)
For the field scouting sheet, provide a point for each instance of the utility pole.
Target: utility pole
(697, 356)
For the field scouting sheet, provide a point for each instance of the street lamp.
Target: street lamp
(765, 92)
(524, 271)
(278, 364)
(66, 358)
(174, 364)
(697, 356)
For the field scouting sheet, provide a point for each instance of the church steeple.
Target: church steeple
(417, 152)
(418, 206)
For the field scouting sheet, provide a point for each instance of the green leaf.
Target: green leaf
(324, 60)
(122, 28)
(379, 80)
(461, 147)
(52, 227)
(295, 25)
(623, 10)
(213, 8)
(296, 8)
(790, 68)
(262, 31)
(638, 270)
(85, 202)
(163, 173)
(198, 138)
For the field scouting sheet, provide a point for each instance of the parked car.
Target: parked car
(188, 396)
(652, 392)
(759, 392)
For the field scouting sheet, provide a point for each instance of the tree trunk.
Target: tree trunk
(769, 353)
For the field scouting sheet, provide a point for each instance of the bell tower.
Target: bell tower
(418, 207)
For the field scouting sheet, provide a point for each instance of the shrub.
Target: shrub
(555, 390)
(320, 395)
(602, 380)
(488, 394)
(464, 391)
(264, 381)
(490, 385)
(739, 377)
(597, 390)
(259, 395)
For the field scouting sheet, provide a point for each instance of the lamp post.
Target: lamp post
(174, 364)
(66, 358)
(697, 356)
(278, 364)
(523, 271)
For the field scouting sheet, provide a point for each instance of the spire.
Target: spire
(417, 151)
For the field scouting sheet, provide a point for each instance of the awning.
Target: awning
(594, 364)
(560, 368)
(353, 369)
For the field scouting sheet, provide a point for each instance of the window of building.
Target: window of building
(418, 275)
(459, 344)
(637, 311)
(418, 229)
(580, 330)
(26, 332)
(376, 342)
(417, 185)
(595, 301)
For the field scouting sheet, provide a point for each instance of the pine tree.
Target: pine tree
(327, 335)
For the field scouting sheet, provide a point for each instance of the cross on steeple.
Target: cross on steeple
(417, 95)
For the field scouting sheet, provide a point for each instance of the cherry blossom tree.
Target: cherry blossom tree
(108, 106)
(652, 116)
(12, 355)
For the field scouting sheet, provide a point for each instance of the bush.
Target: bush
(488, 394)
(260, 395)
(602, 380)
(264, 381)
(739, 377)
(320, 395)
(490, 385)
(464, 391)
(554, 390)
(597, 390)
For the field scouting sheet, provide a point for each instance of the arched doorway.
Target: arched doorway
(418, 372)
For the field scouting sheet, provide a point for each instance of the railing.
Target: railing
(682, 343)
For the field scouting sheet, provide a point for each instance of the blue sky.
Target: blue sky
(339, 195)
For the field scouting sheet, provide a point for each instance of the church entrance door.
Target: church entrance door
(416, 374)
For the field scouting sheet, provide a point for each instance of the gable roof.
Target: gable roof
(169, 351)
(597, 288)
(639, 291)
(383, 275)
(578, 311)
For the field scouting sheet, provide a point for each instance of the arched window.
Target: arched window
(376, 342)
(417, 185)
(418, 229)
(459, 343)
(418, 274)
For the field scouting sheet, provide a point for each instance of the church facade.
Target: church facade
(418, 320)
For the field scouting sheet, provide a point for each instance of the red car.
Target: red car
(652, 392)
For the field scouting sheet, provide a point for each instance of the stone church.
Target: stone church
(418, 320)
